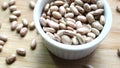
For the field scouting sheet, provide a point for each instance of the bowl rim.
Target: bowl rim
(103, 34)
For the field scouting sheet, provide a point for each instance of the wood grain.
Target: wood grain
(104, 56)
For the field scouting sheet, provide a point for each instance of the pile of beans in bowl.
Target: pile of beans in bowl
(73, 22)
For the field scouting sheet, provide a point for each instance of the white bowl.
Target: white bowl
(66, 51)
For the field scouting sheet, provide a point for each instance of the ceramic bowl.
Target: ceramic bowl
(67, 51)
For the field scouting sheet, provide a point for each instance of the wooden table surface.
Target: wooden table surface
(105, 55)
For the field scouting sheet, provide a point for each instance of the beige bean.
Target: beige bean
(66, 32)
(70, 19)
(62, 26)
(91, 34)
(16, 13)
(13, 8)
(32, 4)
(19, 27)
(48, 29)
(12, 2)
(43, 21)
(3, 37)
(47, 17)
(4, 5)
(87, 7)
(57, 37)
(52, 24)
(90, 18)
(79, 2)
(48, 12)
(74, 10)
(33, 44)
(65, 5)
(47, 6)
(98, 12)
(55, 20)
(91, 12)
(88, 39)
(10, 59)
(62, 10)
(80, 38)
(2, 43)
(88, 25)
(31, 25)
(69, 28)
(66, 39)
(25, 22)
(21, 51)
(69, 15)
(12, 18)
(83, 30)
(72, 3)
(43, 15)
(97, 25)
(58, 3)
(53, 8)
(56, 15)
(95, 31)
(14, 25)
(62, 20)
(69, 33)
(60, 32)
(71, 24)
(78, 24)
(80, 9)
(102, 20)
(1, 47)
(50, 35)
(100, 4)
(23, 31)
(68, 10)
(52, 3)
(82, 18)
(93, 6)
(75, 40)
(74, 31)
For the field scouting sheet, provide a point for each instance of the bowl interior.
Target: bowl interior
(38, 11)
